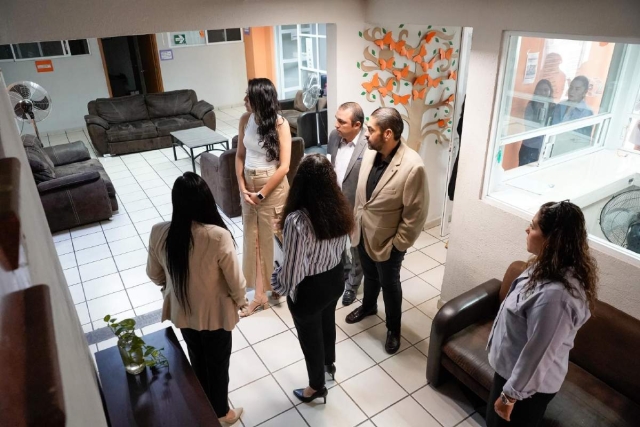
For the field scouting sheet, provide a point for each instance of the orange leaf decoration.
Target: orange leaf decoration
(401, 74)
(404, 100)
(446, 54)
(385, 41)
(453, 75)
(374, 83)
(384, 91)
(451, 98)
(433, 82)
(430, 36)
(420, 80)
(399, 47)
(420, 56)
(385, 63)
(419, 94)
(441, 123)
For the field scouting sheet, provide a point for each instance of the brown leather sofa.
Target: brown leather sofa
(602, 387)
(220, 173)
(135, 123)
(73, 187)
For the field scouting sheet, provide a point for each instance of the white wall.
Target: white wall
(75, 81)
(485, 239)
(39, 265)
(217, 72)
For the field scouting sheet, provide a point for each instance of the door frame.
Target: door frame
(104, 67)
(461, 92)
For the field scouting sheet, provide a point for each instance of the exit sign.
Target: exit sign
(179, 39)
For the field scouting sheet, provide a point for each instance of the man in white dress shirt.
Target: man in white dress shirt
(346, 147)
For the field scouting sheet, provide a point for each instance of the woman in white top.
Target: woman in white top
(262, 163)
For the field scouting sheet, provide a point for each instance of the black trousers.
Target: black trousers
(528, 155)
(314, 314)
(383, 276)
(209, 352)
(526, 413)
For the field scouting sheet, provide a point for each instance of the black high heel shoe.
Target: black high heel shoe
(331, 370)
(299, 393)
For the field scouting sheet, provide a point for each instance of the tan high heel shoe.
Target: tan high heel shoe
(254, 307)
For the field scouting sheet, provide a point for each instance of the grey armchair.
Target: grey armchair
(74, 189)
(220, 174)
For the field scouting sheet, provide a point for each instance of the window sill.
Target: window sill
(586, 181)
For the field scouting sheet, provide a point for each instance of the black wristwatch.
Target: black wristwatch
(260, 196)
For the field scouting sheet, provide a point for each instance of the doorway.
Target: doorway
(131, 65)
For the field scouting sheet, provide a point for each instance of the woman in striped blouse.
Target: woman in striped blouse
(316, 221)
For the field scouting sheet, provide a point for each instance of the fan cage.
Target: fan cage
(618, 214)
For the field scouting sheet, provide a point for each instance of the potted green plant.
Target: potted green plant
(135, 353)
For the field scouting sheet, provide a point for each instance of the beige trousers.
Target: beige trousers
(259, 222)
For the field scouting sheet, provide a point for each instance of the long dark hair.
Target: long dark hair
(315, 189)
(192, 202)
(565, 250)
(536, 105)
(263, 98)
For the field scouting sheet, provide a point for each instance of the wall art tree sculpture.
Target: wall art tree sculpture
(418, 80)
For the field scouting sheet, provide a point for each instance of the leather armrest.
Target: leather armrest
(68, 181)
(67, 153)
(287, 104)
(479, 303)
(96, 120)
(200, 109)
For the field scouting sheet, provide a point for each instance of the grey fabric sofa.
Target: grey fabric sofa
(74, 188)
(220, 174)
(136, 123)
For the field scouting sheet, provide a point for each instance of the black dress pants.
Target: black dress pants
(209, 352)
(526, 412)
(314, 314)
(528, 155)
(383, 276)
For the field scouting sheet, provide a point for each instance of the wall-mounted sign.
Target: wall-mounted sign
(179, 39)
(166, 55)
(44, 66)
(531, 68)
(247, 30)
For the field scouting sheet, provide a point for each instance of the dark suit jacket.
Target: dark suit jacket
(350, 181)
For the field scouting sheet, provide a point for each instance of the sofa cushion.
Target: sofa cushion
(87, 166)
(41, 165)
(467, 349)
(168, 104)
(121, 132)
(170, 124)
(586, 401)
(123, 109)
(298, 104)
(292, 118)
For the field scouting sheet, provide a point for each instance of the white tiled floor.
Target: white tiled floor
(104, 264)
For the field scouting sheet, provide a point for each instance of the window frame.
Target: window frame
(595, 242)
(206, 38)
(65, 48)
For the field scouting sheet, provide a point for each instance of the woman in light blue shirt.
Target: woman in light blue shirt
(538, 320)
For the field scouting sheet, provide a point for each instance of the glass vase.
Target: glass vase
(133, 359)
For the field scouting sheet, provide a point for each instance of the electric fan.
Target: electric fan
(311, 92)
(30, 102)
(620, 220)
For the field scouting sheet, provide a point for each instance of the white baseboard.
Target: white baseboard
(431, 224)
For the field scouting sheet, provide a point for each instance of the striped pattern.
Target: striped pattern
(304, 255)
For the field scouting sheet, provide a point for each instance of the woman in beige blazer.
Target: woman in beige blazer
(193, 258)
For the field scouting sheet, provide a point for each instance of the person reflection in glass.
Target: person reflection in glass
(536, 114)
(573, 108)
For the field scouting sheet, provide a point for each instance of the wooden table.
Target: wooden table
(167, 397)
(196, 138)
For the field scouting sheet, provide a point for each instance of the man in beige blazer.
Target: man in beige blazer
(390, 210)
